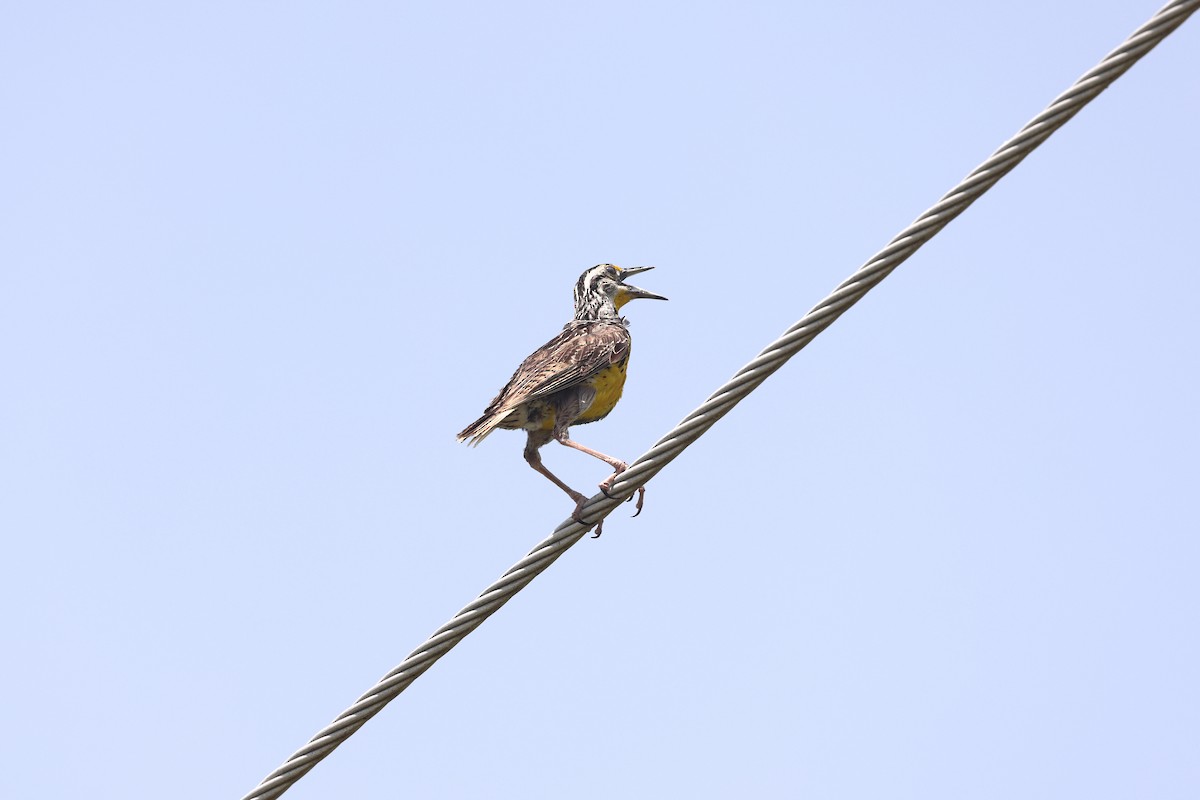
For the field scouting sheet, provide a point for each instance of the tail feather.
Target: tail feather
(478, 430)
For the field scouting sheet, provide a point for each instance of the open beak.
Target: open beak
(633, 292)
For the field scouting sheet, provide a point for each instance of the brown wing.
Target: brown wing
(565, 361)
(576, 354)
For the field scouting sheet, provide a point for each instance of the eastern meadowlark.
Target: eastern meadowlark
(574, 378)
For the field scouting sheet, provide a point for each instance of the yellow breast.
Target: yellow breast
(539, 414)
(608, 383)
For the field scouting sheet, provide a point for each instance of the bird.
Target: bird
(575, 378)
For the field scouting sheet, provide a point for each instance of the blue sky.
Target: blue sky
(262, 261)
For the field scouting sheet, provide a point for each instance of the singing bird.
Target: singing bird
(575, 378)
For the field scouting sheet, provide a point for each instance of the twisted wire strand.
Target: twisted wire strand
(727, 396)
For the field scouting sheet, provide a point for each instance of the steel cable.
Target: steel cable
(726, 397)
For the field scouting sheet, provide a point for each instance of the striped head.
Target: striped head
(601, 291)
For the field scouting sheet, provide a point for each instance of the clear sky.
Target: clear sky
(260, 261)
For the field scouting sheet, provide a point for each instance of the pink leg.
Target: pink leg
(617, 465)
(534, 458)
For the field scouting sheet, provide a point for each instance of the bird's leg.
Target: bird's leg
(535, 441)
(535, 460)
(616, 463)
(560, 434)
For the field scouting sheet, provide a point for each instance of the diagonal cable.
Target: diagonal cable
(907, 242)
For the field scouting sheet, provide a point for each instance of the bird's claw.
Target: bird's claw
(605, 487)
(608, 482)
(577, 515)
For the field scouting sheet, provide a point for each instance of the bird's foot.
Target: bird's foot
(577, 514)
(607, 483)
(641, 499)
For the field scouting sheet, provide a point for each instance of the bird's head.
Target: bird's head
(601, 291)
